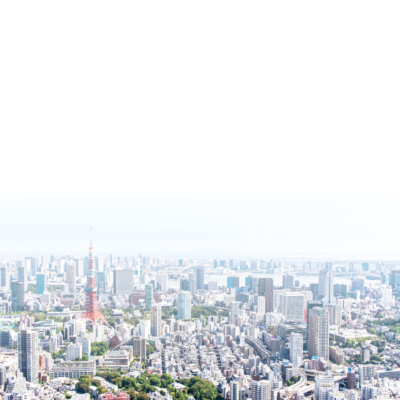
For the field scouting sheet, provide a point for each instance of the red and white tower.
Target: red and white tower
(91, 309)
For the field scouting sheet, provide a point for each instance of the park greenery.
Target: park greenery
(150, 347)
(138, 388)
(99, 348)
(85, 381)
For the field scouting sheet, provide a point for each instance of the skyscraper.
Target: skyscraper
(71, 276)
(27, 355)
(5, 275)
(261, 305)
(233, 281)
(149, 299)
(325, 289)
(199, 270)
(17, 295)
(139, 347)
(162, 280)
(192, 283)
(292, 306)
(235, 389)
(123, 281)
(155, 321)
(311, 305)
(41, 283)
(234, 308)
(266, 290)
(184, 305)
(22, 276)
(288, 281)
(318, 343)
(296, 349)
(335, 314)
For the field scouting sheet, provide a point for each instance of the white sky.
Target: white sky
(186, 118)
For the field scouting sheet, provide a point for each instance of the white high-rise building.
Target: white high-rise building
(28, 355)
(184, 305)
(155, 320)
(74, 351)
(260, 390)
(235, 389)
(324, 382)
(192, 283)
(387, 296)
(366, 373)
(234, 307)
(369, 392)
(292, 306)
(296, 349)
(162, 280)
(79, 267)
(318, 339)
(22, 275)
(335, 314)
(325, 288)
(71, 276)
(261, 305)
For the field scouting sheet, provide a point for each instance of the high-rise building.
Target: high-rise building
(155, 321)
(99, 263)
(162, 280)
(261, 305)
(266, 290)
(260, 389)
(192, 283)
(74, 351)
(387, 296)
(335, 314)
(311, 305)
(365, 354)
(235, 389)
(394, 279)
(212, 286)
(28, 355)
(41, 283)
(325, 289)
(323, 384)
(139, 347)
(318, 342)
(366, 373)
(23, 277)
(123, 281)
(184, 285)
(184, 305)
(149, 299)
(234, 311)
(340, 290)
(292, 306)
(314, 290)
(288, 281)
(233, 282)
(17, 295)
(199, 271)
(80, 272)
(296, 349)
(357, 284)
(71, 276)
(101, 281)
(5, 277)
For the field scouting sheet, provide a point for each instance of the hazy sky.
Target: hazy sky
(208, 126)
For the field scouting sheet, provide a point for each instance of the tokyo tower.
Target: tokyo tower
(91, 309)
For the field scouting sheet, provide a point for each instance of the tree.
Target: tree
(154, 380)
(101, 390)
(82, 387)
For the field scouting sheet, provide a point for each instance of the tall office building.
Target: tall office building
(296, 349)
(311, 305)
(5, 277)
(366, 373)
(101, 281)
(335, 314)
(357, 284)
(17, 295)
(199, 271)
(71, 276)
(155, 321)
(261, 305)
(394, 279)
(41, 283)
(123, 281)
(260, 389)
(288, 281)
(192, 283)
(387, 296)
(23, 277)
(184, 305)
(28, 355)
(74, 351)
(79, 264)
(292, 306)
(139, 347)
(162, 280)
(234, 311)
(318, 343)
(325, 289)
(266, 290)
(235, 389)
(340, 290)
(314, 290)
(149, 299)
(184, 285)
(99, 263)
(233, 281)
